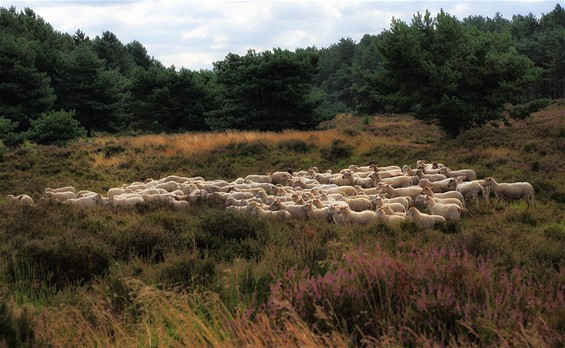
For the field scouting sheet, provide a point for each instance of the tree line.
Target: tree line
(456, 73)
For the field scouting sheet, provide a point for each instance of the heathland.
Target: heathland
(156, 276)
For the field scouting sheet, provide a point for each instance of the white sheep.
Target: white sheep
(379, 202)
(442, 195)
(125, 202)
(85, 202)
(278, 215)
(315, 213)
(422, 200)
(346, 215)
(438, 186)
(265, 179)
(470, 189)
(410, 191)
(423, 220)
(395, 181)
(61, 189)
(21, 200)
(469, 174)
(389, 219)
(448, 210)
(358, 203)
(294, 209)
(431, 177)
(514, 190)
(59, 196)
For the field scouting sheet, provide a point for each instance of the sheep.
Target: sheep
(295, 210)
(127, 202)
(85, 202)
(376, 168)
(438, 186)
(178, 204)
(265, 179)
(354, 179)
(470, 189)
(422, 199)
(515, 190)
(447, 210)
(469, 174)
(410, 191)
(389, 219)
(423, 220)
(85, 193)
(315, 213)
(61, 189)
(180, 179)
(59, 196)
(21, 200)
(379, 202)
(396, 182)
(449, 194)
(346, 215)
(343, 190)
(280, 178)
(342, 180)
(367, 191)
(358, 203)
(277, 215)
(431, 177)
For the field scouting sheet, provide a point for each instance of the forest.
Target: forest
(454, 73)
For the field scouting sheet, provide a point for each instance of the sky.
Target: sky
(194, 34)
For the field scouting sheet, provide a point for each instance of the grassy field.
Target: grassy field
(158, 277)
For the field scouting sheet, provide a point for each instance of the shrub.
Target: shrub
(440, 295)
(294, 145)
(16, 329)
(187, 270)
(228, 234)
(67, 259)
(56, 128)
(339, 150)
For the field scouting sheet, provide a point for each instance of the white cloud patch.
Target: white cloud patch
(194, 34)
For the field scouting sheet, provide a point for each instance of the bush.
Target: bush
(187, 270)
(338, 151)
(67, 259)
(16, 330)
(56, 128)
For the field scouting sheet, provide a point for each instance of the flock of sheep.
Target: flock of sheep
(427, 195)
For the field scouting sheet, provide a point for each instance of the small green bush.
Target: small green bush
(294, 145)
(187, 270)
(16, 330)
(56, 128)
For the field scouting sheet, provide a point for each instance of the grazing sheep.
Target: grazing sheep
(126, 202)
(59, 196)
(447, 210)
(61, 189)
(378, 202)
(85, 202)
(346, 215)
(358, 203)
(21, 200)
(442, 195)
(342, 190)
(410, 191)
(423, 220)
(438, 186)
(319, 214)
(396, 181)
(422, 200)
(295, 210)
(431, 177)
(515, 190)
(468, 174)
(280, 178)
(470, 189)
(277, 215)
(265, 179)
(389, 219)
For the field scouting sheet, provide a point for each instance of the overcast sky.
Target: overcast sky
(194, 34)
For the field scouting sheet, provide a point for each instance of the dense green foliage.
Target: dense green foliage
(456, 73)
